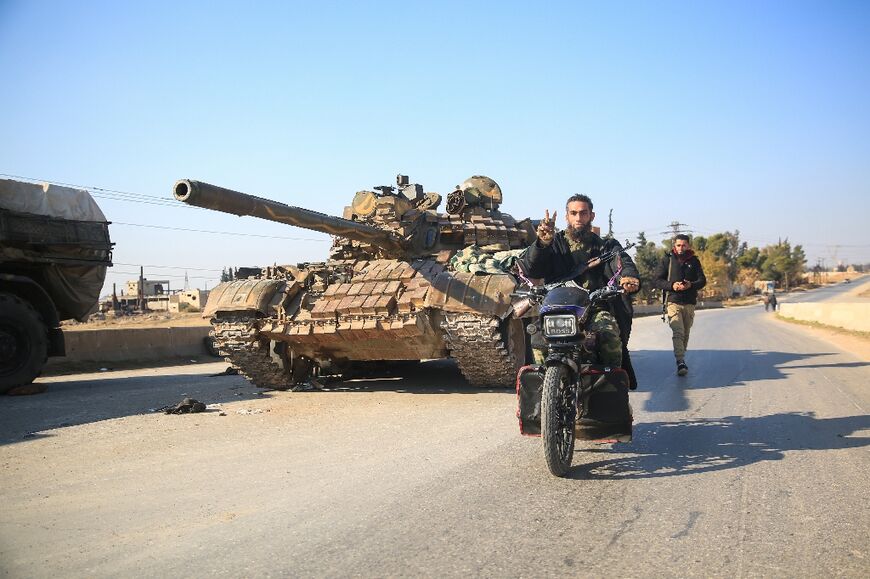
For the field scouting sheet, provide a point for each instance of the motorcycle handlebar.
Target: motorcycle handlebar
(538, 292)
(605, 293)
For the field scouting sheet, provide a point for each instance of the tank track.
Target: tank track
(478, 346)
(236, 340)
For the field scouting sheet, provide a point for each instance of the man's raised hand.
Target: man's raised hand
(547, 228)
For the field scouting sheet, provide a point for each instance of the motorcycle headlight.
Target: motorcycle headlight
(560, 326)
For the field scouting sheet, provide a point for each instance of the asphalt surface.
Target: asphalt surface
(755, 464)
(836, 292)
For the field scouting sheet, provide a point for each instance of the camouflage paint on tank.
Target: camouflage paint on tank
(386, 291)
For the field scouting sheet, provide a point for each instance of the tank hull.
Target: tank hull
(387, 310)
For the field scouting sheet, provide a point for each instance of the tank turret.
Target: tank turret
(400, 221)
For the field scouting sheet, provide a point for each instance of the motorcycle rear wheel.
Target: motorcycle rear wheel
(558, 412)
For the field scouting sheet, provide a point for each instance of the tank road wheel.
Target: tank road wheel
(489, 351)
(558, 413)
(23, 342)
(210, 345)
(237, 339)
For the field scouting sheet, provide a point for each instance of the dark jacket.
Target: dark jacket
(555, 261)
(690, 270)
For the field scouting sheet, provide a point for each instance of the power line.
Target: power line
(118, 273)
(91, 188)
(166, 266)
(219, 232)
(158, 202)
(117, 195)
(676, 229)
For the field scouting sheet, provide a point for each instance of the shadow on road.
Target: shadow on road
(102, 397)
(425, 377)
(665, 449)
(717, 369)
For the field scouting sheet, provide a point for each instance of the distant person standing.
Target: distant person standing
(680, 276)
(772, 302)
(766, 299)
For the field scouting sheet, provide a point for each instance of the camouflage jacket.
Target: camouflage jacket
(564, 255)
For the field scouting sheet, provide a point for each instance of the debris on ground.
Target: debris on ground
(216, 406)
(186, 406)
(247, 411)
(230, 371)
(308, 385)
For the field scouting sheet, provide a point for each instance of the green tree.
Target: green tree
(647, 257)
(716, 271)
(726, 247)
(783, 263)
(751, 257)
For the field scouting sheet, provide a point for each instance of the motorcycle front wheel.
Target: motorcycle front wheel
(558, 412)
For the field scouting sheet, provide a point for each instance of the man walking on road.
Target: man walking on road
(680, 276)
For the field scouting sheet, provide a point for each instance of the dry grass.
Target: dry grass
(820, 326)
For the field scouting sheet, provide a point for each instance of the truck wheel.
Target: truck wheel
(23, 342)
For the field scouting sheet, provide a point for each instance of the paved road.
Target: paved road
(754, 465)
(836, 292)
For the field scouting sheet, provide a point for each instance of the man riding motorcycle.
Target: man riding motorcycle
(555, 255)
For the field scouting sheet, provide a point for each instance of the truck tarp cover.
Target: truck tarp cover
(59, 236)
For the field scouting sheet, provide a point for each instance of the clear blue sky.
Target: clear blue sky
(721, 115)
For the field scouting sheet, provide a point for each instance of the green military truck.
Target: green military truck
(54, 251)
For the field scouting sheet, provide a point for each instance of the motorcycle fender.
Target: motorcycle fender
(258, 295)
(557, 359)
(471, 293)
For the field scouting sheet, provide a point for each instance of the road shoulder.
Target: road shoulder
(846, 340)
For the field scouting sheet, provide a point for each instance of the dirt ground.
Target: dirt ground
(148, 320)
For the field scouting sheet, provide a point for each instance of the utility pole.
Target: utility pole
(676, 229)
(141, 293)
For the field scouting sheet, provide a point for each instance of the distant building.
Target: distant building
(188, 300)
(158, 297)
(150, 288)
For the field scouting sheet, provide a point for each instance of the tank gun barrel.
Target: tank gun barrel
(228, 201)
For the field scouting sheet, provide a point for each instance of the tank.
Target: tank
(388, 291)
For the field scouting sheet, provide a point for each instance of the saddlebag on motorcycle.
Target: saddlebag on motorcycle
(530, 384)
(605, 412)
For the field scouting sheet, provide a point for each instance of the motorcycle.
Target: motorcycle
(571, 395)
